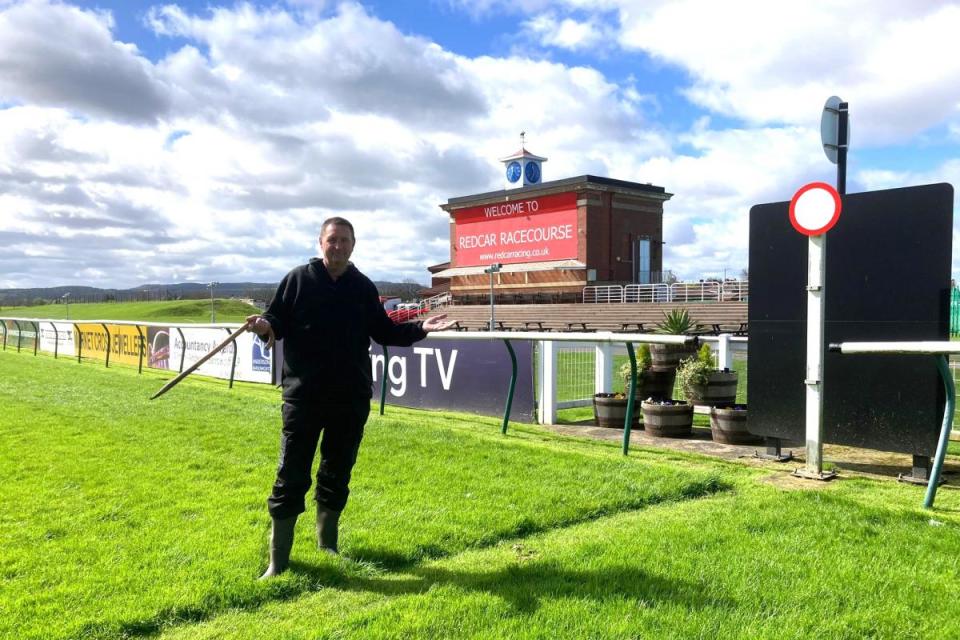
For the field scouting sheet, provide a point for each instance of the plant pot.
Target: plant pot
(721, 388)
(729, 425)
(668, 420)
(610, 411)
(668, 356)
(657, 383)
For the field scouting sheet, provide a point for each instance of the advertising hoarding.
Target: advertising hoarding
(124, 342)
(57, 336)
(533, 230)
(469, 376)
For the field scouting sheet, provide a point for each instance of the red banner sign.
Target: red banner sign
(532, 230)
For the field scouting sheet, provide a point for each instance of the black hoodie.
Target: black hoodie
(326, 327)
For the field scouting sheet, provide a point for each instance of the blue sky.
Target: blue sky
(143, 142)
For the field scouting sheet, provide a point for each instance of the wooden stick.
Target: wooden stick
(196, 365)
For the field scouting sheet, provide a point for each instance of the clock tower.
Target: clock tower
(522, 168)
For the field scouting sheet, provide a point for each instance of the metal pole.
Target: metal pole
(3, 323)
(628, 421)
(19, 335)
(183, 348)
(950, 389)
(79, 342)
(816, 260)
(492, 323)
(140, 359)
(513, 385)
(36, 336)
(842, 127)
(233, 363)
(383, 379)
(108, 343)
(56, 340)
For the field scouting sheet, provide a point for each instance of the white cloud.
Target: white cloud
(565, 33)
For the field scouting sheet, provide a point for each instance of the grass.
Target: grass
(169, 311)
(126, 518)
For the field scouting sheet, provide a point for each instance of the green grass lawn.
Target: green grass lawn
(122, 517)
(167, 311)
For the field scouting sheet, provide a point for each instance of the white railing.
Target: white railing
(705, 291)
(694, 291)
(603, 294)
(646, 293)
(435, 302)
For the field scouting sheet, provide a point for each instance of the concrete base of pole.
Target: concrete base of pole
(912, 479)
(807, 474)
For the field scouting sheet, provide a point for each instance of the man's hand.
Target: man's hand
(437, 323)
(261, 326)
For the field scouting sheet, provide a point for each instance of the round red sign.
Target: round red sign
(815, 208)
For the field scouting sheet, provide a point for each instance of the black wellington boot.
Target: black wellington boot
(327, 523)
(281, 542)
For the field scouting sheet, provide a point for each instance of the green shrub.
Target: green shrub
(676, 322)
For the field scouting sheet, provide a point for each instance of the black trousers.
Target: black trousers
(341, 426)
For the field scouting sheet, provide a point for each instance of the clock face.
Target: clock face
(513, 171)
(533, 172)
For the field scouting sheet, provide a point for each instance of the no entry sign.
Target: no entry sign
(815, 208)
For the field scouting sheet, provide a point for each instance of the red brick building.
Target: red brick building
(552, 238)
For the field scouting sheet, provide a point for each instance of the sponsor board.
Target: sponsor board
(123, 342)
(253, 359)
(57, 336)
(196, 343)
(466, 375)
(253, 362)
(23, 337)
(158, 348)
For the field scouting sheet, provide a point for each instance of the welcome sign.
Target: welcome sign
(532, 230)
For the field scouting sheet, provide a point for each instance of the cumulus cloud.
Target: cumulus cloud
(61, 56)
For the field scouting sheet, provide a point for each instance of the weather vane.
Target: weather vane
(523, 134)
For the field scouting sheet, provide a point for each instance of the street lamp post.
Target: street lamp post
(66, 299)
(492, 269)
(213, 311)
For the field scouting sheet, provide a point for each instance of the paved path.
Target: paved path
(847, 460)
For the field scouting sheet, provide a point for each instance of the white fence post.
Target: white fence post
(724, 354)
(547, 375)
(603, 368)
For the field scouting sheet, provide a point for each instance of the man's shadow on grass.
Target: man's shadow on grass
(524, 583)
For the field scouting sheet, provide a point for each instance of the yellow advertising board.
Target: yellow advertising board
(124, 342)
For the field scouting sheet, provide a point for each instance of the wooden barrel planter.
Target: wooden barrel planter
(668, 420)
(656, 383)
(721, 388)
(668, 356)
(610, 411)
(729, 425)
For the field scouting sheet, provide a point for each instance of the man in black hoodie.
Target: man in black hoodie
(326, 312)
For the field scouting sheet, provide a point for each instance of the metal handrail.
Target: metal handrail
(606, 293)
(941, 350)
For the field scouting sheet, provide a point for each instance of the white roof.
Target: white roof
(512, 268)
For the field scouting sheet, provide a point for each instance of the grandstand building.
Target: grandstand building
(546, 241)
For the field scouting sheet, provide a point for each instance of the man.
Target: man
(326, 312)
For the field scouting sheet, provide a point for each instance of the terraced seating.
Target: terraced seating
(711, 317)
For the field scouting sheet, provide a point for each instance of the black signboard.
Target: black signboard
(457, 375)
(887, 279)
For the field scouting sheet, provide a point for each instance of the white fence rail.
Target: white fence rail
(707, 291)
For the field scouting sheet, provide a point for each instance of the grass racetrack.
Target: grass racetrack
(125, 518)
(169, 311)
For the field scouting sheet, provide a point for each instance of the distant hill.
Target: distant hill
(262, 291)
